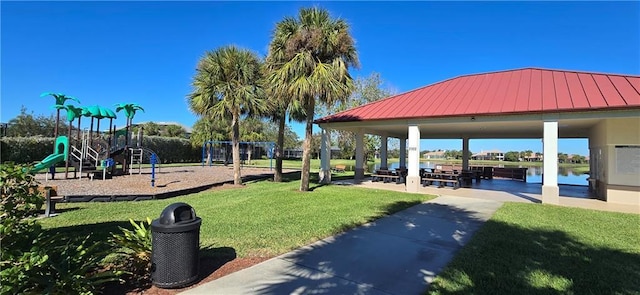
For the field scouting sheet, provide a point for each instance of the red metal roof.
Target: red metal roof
(529, 90)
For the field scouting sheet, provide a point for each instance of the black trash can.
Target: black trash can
(175, 246)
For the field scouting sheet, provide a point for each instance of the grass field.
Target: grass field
(261, 219)
(540, 249)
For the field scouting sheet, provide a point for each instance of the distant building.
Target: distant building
(292, 153)
(535, 157)
(434, 155)
(493, 155)
(577, 159)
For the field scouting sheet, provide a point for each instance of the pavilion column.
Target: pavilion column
(359, 169)
(325, 157)
(413, 173)
(403, 152)
(550, 189)
(383, 152)
(465, 153)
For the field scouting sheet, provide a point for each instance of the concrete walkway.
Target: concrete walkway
(399, 254)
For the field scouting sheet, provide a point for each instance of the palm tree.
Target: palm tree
(130, 110)
(60, 100)
(227, 85)
(309, 59)
(279, 105)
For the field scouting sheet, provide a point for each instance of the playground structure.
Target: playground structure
(111, 153)
(215, 151)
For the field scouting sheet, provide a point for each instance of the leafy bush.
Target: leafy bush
(32, 262)
(134, 250)
(20, 256)
(19, 190)
(74, 266)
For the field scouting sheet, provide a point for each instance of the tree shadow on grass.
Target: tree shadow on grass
(99, 232)
(506, 259)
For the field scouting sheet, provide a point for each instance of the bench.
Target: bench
(339, 168)
(385, 176)
(442, 181)
(50, 194)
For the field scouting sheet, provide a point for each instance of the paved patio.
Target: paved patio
(504, 190)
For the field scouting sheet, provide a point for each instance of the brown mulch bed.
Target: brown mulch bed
(210, 269)
(167, 179)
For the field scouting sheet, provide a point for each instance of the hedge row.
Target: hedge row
(25, 150)
(34, 149)
(172, 149)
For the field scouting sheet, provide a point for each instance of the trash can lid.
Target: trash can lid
(177, 213)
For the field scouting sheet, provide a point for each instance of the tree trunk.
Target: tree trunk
(277, 177)
(66, 162)
(91, 131)
(98, 128)
(306, 147)
(55, 129)
(235, 127)
(79, 134)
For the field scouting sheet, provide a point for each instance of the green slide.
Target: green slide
(62, 151)
(48, 162)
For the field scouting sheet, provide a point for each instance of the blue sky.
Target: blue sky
(146, 52)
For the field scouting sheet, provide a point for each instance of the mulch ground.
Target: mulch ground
(211, 268)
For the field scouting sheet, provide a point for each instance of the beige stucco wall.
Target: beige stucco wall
(613, 185)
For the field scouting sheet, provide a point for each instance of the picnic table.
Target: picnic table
(442, 177)
(385, 176)
(339, 168)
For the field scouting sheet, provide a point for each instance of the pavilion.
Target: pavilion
(523, 103)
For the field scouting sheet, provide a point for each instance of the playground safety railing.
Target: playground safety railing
(76, 153)
(138, 157)
(92, 154)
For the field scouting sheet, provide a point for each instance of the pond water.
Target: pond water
(534, 174)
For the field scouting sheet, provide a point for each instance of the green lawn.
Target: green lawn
(263, 218)
(540, 249)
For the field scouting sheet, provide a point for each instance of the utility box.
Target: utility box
(175, 246)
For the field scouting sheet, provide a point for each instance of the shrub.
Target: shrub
(74, 266)
(32, 262)
(19, 190)
(20, 255)
(134, 251)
